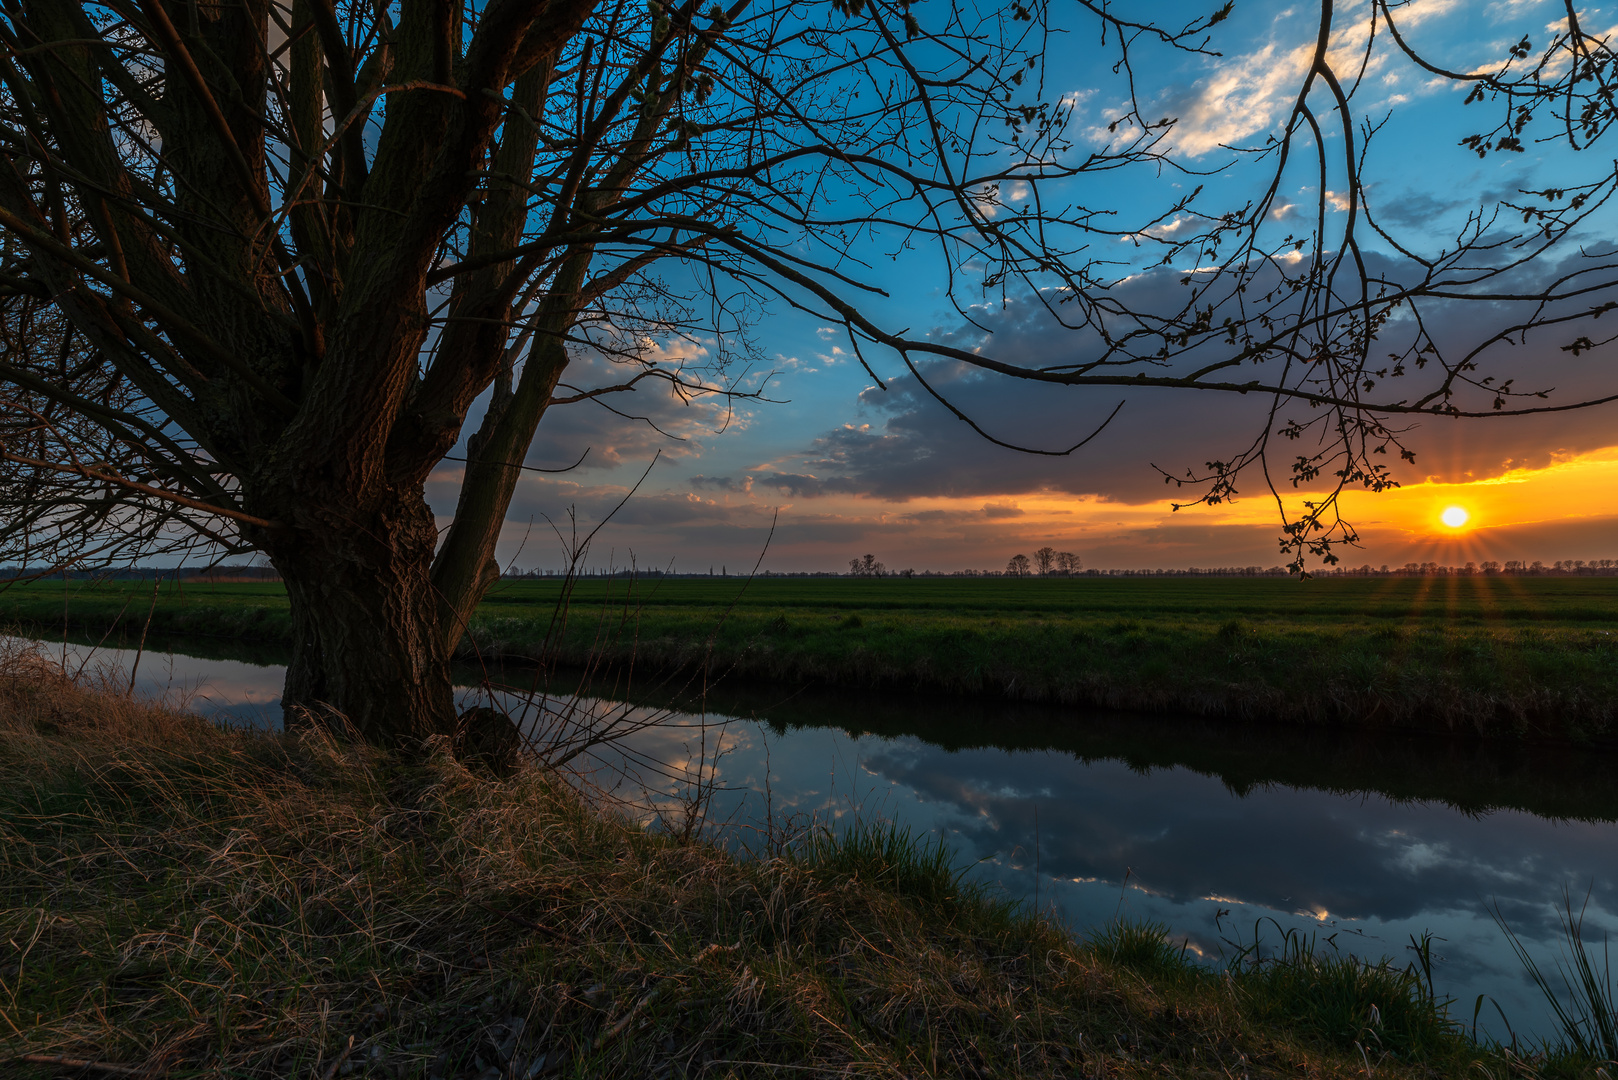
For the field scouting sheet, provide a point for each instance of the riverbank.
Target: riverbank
(189, 900)
(1523, 658)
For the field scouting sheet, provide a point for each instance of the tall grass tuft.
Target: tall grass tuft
(891, 857)
(1370, 1008)
(1344, 999)
(1585, 1007)
(1144, 948)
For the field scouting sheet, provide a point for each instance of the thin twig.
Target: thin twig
(140, 650)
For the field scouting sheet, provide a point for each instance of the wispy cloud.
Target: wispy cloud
(1245, 97)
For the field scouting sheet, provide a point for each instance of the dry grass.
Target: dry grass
(185, 901)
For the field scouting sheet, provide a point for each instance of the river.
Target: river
(1219, 831)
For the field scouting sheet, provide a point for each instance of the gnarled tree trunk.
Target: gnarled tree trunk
(367, 645)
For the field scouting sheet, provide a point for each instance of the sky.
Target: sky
(842, 466)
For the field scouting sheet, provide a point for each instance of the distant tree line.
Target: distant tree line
(1047, 562)
(1561, 567)
(1019, 566)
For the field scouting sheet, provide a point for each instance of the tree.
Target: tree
(1018, 566)
(867, 566)
(1045, 560)
(1067, 563)
(263, 259)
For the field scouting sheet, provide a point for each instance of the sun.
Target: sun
(1454, 516)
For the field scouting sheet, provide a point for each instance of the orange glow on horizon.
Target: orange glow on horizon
(1425, 512)
(1519, 514)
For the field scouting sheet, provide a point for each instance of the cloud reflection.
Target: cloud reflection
(1211, 859)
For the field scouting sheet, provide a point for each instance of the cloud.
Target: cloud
(723, 483)
(1502, 10)
(1418, 209)
(1239, 99)
(801, 484)
(634, 425)
(912, 447)
(992, 200)
(1186, 839)
(988, 512)
(1178, 228)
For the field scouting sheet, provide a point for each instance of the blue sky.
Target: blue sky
(852, 468)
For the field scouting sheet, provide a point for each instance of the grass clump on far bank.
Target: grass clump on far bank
(192, 901)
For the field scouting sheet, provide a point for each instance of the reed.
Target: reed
(1585, 1007)
(1351, 1001)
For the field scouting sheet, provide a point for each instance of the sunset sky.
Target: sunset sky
(853, 468)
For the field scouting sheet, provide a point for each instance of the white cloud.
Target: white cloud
(1247, 96)
(1512, 9)
(1177, 228)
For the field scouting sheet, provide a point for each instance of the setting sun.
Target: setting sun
(1454, 516)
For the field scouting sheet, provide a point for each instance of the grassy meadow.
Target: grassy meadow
(1533, 657)
(180, 900)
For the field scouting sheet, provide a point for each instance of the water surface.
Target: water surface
(1218, 831)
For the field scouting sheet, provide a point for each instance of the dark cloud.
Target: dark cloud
(625, 427)
(914, 447)
(798, 485)
(723, 483)
(1423, 209)
(994, 511)
(1414, 209)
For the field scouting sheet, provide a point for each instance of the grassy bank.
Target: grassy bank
(188, 901)
(1527, 657)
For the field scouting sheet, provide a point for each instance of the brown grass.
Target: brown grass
(186, 901)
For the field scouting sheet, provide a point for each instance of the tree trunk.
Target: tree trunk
(465, 567)
(367, 646)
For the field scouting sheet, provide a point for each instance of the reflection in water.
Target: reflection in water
(1209, 830)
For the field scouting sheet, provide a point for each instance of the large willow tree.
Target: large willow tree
(263, 257)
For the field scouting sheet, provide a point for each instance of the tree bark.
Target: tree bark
(465, 567)
(367, 646)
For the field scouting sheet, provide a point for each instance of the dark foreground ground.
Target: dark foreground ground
(181, 901)
(1520, 657)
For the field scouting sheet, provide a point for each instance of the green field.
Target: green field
(1535, 656)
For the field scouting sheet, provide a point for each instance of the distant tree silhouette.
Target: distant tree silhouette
(1045, 560)
(1067, 563)
(867, 566)
(1019, 566)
